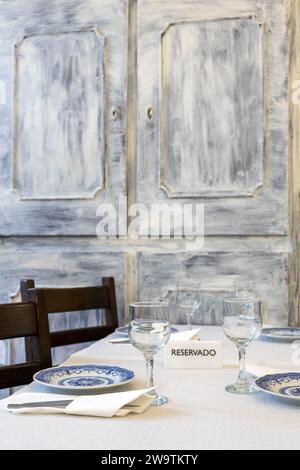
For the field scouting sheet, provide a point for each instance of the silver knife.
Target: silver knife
(53, 404)
(49, 404)
(119, 341)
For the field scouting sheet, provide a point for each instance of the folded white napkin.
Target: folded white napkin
(185, 335)
(106, 405)
(261, 370)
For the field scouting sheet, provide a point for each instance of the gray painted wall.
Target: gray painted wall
(73, 101)
(186, 102)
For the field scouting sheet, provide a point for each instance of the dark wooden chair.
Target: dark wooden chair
(17, 321)
(73, 299)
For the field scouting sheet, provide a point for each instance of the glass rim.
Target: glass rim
(152, 320)
(149, 304)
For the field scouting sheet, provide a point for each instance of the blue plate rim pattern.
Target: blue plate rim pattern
(267, 332)
(275, 377)
(39, 380)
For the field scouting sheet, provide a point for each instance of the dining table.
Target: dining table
(200, 414)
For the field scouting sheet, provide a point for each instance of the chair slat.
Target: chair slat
(19, 374)
(76, 299)
(18, 320)
(79, 335)
(68, 300)
(21, 320)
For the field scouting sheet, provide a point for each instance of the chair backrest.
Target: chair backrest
(74, 299)
(21, 320)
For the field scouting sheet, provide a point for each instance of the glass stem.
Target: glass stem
(243, 378)
(189, 320)
(149, 373)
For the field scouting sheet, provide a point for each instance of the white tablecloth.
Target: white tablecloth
(200, 415)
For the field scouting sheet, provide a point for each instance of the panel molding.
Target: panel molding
(264, 274)
(210, 310)
(225, 214)
(164, 184)
(93, 187)
(64, 269)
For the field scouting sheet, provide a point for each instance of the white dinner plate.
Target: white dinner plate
(83, 377)
(281, 333)
(285, 386)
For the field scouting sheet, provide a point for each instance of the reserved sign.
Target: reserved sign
(193, 354)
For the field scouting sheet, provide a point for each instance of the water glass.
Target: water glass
(189, 302)
(149, 331)
(242, 324)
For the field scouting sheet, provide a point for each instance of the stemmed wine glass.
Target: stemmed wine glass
(242, 324)
(189, 302)
(149, 331)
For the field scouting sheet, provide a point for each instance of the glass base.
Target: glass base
(160, 400)
(241, 389)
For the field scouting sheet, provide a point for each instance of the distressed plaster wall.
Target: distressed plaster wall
(251, 216)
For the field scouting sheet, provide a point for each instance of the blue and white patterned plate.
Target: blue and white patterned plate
(285, 386)
(83, 377)
(281, 333)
